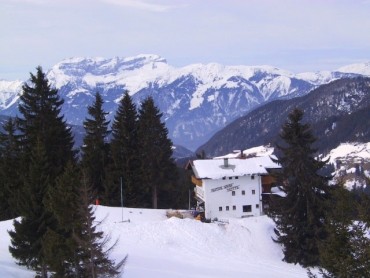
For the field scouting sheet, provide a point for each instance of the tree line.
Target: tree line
(51, 186)
(318, 225)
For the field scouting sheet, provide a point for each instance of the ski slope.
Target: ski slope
(161, 247)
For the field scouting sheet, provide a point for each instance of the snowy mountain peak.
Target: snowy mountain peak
(196, 100)
(359, 68)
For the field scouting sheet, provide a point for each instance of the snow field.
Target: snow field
(161, 247)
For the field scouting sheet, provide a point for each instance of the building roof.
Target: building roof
(216, 169)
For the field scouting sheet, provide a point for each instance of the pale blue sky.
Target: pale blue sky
(296, 35)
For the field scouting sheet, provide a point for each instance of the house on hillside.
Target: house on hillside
(233, 187)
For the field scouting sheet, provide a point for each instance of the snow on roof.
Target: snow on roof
(216, 169)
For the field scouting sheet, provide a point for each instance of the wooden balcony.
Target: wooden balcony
(196, 181)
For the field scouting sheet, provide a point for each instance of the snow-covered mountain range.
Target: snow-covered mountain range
(196, 100)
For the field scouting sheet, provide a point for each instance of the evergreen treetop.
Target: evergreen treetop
(95, 151)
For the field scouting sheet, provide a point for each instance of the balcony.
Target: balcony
(199, 193)
(196, 181)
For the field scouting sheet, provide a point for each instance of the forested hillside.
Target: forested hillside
(338, 112)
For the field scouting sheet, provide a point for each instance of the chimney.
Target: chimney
(226, 162)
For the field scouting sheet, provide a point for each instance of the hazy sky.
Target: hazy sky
(296, 35)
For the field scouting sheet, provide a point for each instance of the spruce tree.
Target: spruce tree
(93, 244)
(125, 154)
(10, 157)
(336, 249)
(29, 231)
(95, 150)
(46, 144)
(157, 166)
(60, 246)
(299, 216)
(40, 108)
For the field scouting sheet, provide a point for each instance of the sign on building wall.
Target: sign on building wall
(227, 187)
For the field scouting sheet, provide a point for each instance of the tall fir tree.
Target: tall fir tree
(27, 237)
(47, 145)
(157, 165)
(125, 154)
(95, 150)
(10, 157)
(299, 216)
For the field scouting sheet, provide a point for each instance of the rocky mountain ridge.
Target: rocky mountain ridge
(338, 112)
(196, 100)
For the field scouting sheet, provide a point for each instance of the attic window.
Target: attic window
(236, 178)
(252, 177)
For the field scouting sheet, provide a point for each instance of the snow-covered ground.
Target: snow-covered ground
(160, 247)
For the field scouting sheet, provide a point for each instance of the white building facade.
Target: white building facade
(231, 188)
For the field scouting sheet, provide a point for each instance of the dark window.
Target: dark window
(230, 178)
(253, 191)
(236, 178)
(252, 177)
(257, 205)
(243, 192)
(234, 207)
(247, 208)
(233, 193)
(227, 207)
(223, 178)
(220, 208)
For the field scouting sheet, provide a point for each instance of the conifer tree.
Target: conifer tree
(10, 157)
(60, 246)
(335, 250)
(27, 237)
(95, 150)
(40, 107)
(46, 145)
(158, 167)
(93, 249)
(125, 155)
(299, 217)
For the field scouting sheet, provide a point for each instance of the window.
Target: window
(230, 178)
(223, 178)
(253, 191)
(227, 207)
(236, 178)
(247, 208)
(220, 208)
(257, 206)
(232, 193)
(252, 177)
(234, 207)
(243, 192)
